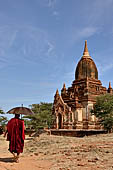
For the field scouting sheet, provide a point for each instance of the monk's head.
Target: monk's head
(17, 116)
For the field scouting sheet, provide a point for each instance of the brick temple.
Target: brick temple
(72, 108)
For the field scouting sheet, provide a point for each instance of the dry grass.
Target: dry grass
(93, 152)
(66, 153)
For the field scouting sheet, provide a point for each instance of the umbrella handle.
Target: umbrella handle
(21, 114)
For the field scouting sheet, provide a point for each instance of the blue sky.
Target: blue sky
(41, 42)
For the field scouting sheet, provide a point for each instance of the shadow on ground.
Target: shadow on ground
(7, 160)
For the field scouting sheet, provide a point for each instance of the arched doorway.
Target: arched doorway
(59, 121)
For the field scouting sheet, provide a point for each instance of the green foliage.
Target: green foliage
(103, 109)
(42, 117)
(1, 111)
(3, 120)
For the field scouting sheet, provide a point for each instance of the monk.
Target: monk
(15, 136)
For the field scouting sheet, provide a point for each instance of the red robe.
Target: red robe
(16, 136)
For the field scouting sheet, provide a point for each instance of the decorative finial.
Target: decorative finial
(63, 89)
(110, 85)
(57, 93)
(64, 86)
(56, 96)
(86, 53)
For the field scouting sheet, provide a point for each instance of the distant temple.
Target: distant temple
(72, 109)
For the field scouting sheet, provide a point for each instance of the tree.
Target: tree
(103, 110)
(3, 120)
(1, 111)
(42, 117)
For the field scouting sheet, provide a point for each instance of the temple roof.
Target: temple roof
(86, 66)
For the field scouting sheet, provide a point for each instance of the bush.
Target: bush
(103, 110)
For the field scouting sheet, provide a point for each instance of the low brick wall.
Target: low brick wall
(75, 133)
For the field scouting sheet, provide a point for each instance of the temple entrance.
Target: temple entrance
(59, 121)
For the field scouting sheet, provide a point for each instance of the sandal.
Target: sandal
(14, 156)
(17, 159)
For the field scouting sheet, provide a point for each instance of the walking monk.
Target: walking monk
(15, 136)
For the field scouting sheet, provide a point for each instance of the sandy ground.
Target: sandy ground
(61, 153)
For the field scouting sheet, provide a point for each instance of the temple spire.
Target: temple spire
(57, 93)
(63, 89)
(86, 53)
(64, 86)
(110, 85)
(110, 88)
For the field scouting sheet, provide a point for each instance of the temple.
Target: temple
(72, 108)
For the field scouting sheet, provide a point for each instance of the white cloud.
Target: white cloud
(97, 12)
(55, 13)
(51, 3)
(24, 43)
(84, 33)
(7, 36)
(50, 48)
(102, 58)
(87, 32)
(48, 3)
(19, 99)
(95, 17)
(102, 68)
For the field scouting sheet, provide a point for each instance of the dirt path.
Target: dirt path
(27, 160)
(61, 153)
